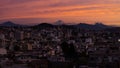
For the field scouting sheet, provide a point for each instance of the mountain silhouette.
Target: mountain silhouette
(59, 22)
(10, 24)
(43, 25)
(96, 26)
(100, 25)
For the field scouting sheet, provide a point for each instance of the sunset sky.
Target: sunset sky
(70, 11)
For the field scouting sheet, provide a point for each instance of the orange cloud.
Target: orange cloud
(77, 10)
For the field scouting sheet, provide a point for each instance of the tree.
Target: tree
(68, 50)
(16, 48)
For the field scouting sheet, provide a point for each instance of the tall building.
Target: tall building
(2, 40)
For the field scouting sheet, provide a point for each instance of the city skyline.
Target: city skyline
(70, 11)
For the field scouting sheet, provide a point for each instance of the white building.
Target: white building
(2, 36)
(88, 40)
(3, 51)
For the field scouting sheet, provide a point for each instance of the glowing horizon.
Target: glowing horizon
(35, 11)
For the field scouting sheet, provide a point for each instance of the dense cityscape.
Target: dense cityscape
(59, 34)
(59, 46)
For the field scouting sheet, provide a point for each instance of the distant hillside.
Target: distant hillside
(59, 22)
(97, 26)
(113, 29)
(43, 25)
(10, 24)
